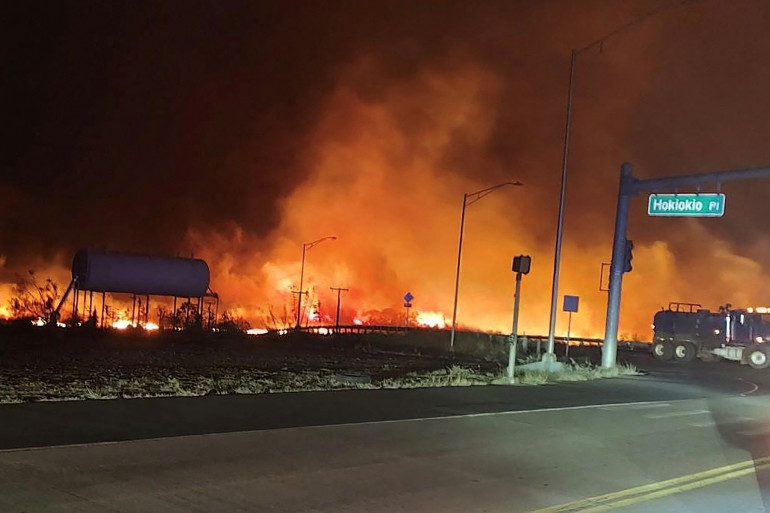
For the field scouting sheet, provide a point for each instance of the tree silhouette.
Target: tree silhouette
(32, 299)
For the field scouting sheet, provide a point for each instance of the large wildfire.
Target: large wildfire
(389, 154)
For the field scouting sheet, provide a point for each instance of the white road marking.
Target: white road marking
(678, 414)
(645, 406)
(344, 424)
(754, 386)
(706, 423)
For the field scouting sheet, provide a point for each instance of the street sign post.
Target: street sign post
(686, 205)
(570, 305)
(408, 297)
(521, 266)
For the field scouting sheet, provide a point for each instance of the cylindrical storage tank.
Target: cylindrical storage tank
(105, 271)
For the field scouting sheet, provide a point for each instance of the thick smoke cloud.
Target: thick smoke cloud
(238, 131)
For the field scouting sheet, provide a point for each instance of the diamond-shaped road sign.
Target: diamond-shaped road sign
(408, 297)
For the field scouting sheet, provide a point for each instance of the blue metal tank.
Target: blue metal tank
(106, 271)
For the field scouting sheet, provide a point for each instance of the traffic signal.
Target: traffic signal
(522, 264)
(628, 255)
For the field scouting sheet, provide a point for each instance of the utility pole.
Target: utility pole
(299, 293)
(337, 318)
(630, 187)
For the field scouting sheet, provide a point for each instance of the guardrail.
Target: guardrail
(365, 329)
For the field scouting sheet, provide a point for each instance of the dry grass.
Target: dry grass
(259, 382)
(533, 377)
(575, 372)
(453, 376)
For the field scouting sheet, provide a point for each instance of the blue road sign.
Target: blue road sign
(571, 303)
(408, 297)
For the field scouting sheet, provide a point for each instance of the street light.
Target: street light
(305, 247)
(474, 197)
(549, 355)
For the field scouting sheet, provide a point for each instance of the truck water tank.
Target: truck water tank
(105, 271)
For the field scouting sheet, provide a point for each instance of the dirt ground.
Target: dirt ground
(80, 363)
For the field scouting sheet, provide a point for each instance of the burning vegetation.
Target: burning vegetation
(375, 142)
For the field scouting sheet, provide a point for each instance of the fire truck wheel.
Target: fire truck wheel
(758, 356)
(684, 351)
(662, 350)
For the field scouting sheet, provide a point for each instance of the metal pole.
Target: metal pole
(569, 328)
(133, 309)
(514, 337)
(625, 191)
(301, 283)
(147, 309)
(337, 317)
(457, 274)
(103, 307)
(560, 220)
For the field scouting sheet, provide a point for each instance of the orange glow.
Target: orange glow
(431, 319)
(123, 324)
(382, 182)
(380, 170)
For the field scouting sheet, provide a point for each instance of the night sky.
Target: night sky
(205, 127)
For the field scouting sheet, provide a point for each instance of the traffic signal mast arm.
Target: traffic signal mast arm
(632, 186)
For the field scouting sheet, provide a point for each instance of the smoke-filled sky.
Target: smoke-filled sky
(236, 131)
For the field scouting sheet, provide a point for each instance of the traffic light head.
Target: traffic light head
(628, 255)
(522, 264)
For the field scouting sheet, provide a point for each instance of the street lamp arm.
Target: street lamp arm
(473, 197)
(600, 42)
(309, 245)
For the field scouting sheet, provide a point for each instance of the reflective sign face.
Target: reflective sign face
(686, 205)
(571, 303)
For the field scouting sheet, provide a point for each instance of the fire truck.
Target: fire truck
(685, 331)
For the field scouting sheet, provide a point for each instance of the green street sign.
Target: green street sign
(687, 205)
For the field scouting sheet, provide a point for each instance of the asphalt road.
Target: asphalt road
(681, 438)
